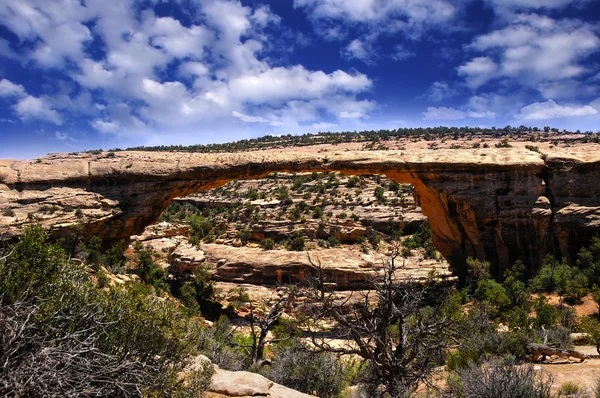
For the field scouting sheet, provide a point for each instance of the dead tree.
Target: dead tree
(402, 334)
(541, 351)
(261, 324)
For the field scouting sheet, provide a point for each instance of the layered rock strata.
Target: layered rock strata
(498, 204)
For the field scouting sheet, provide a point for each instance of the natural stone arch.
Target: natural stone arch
(499, 207)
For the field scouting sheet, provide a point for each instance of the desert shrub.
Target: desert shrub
(477, 271)
(150, 272)
(569, 388)
(8, 212)
(214, 343)
(380, 194)
(557, 336)
(239, 297)
(320, 374)
(282, 193)
(545, 314)
(515, 287)
(588, 259)
(296, 244)
(483, 340)
(244, 235)
(558, 276)
(373, 237)
(200, 227)
(332, 241)
(353, 181)
(394, 186)
(317, 213)
(501, 378)
(492, 292)
(267, 244)
(114, 259)
(591, 326)
(82, 341)
(503, 144)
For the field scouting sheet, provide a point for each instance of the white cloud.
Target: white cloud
(156, 75)
(256, 119)
(409, 18)
(478, 71)
(34, 108)
(106, 126)
(478, 107)
(416, 11)
(323, 126)
(64, 137)
(358, 50)
(443, 113)
(439, 91)
(534, 4)
(193, 68)
(56, 28)
(177, 40)
(351, 115)
(401, 53)
(249, 119)
(536, 50)
(551, 110)
(10, 89)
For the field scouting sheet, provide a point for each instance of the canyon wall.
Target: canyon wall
(497, 204)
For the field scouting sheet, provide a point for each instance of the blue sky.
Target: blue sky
(83, 74)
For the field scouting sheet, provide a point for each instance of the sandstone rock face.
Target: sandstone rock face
(345, 268)
(479, 202)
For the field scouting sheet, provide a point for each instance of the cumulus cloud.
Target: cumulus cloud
(154, 73)
(10, 89)
(408, 18)
(401, 53)
(357, 49)
(552, 110)
(416, 11)
(34, 108)
(476, 108)
(351, 115)
(64, 137)
(439, 91)
(323, 126)
(255, 119)
(106, 126)
(478, 71)
(535, 50)
(443, 113)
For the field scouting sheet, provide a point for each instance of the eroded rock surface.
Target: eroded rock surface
(480, 202)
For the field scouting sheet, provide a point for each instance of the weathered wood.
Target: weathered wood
(537, 351)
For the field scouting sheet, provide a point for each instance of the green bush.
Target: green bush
(267, 244)
(558, 276)
(150, 272)
(296, 244)
(380, 194)
(321, 374)
(493, 292)
(332, 241)
(501, 378)
(82, 341)
(317, 213)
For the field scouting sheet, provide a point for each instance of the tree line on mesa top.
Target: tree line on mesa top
(427, 133)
